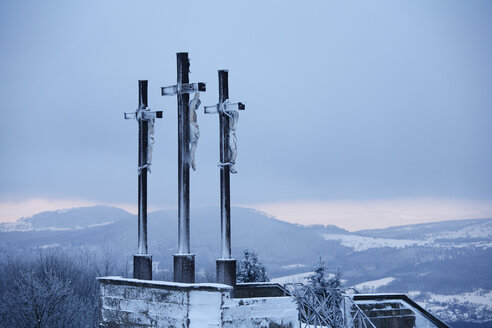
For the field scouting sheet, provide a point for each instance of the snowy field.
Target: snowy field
(293, 279)
(373, 285)
(362, 243)
(474, 306)
(444, 240)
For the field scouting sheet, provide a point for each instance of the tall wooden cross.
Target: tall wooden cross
(184, 261)
(228, 115)
(142, 262)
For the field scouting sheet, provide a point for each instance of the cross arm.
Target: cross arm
(183, 88)
(228, 107)
(143, 115)
(234, 106)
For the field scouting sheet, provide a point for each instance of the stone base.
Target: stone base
(184, 268)
(160, 304)
(142, 267)
(226, 272)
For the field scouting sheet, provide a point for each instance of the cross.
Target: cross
(142, 262)
(228, 115)
(184, 261)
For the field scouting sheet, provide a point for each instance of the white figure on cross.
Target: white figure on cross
(233, 118)
(194, 128)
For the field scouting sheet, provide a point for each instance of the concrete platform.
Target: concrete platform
(145, 303)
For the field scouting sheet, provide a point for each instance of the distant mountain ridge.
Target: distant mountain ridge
(468, 229)
(67, 219)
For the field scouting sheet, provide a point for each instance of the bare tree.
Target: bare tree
(50, 289)
(38, 298)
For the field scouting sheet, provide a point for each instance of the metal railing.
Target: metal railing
(328, 308)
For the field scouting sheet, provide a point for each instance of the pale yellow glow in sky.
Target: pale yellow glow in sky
(358, 215)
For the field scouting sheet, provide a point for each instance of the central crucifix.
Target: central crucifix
(184, 261)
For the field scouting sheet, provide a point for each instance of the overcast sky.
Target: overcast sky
(351, 106)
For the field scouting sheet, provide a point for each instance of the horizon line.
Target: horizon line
(349, 215)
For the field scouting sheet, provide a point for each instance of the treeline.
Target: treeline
(57, 288)
(53, 288)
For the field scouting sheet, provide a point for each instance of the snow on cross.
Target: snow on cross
(228, 116)
(184, 261)
(142, 262)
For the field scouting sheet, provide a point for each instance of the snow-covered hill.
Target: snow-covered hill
(363, 243)
(449, 239)
(373, 285)
(67, 219)
(473, 306)
(454, 229)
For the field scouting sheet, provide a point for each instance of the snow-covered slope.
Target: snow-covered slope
(446, 235)
(362, 243)
(454, 229)
(373, 285)
(67, 219)
(293, 279)
(473, 306)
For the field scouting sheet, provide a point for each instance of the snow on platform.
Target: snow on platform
(147, 303)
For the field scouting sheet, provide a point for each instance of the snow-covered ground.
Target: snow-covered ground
(19, 225)
(472, 306)
(293, 279)
(301, 278)
(482, 298)
(23, 225)
(474, 231)
(293, 266)
(49, 246)
(443, 240)
(362, 243)
(373, 285)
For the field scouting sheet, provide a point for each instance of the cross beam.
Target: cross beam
(183, 88)
(142, 262)
(228, 115)
(226, 107)
(184, 261)
(143, 115)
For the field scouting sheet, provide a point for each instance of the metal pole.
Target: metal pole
(143, 129)
(183, 65)
(225, 186)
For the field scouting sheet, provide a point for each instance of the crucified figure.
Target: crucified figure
(194, 128)
(233, 117)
